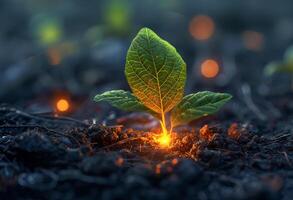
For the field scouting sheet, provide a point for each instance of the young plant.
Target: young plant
(285, 66)
(156, 74)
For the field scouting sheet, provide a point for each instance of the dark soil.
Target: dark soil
(46, 157)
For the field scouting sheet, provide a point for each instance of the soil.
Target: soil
(54, 157)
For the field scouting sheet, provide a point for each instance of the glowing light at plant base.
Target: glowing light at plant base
(202, 27)
(209, 68)
(62, 105)
(164, 140)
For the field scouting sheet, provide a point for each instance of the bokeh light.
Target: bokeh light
(57, 53)
(253, 40)
(209, 68)
(62, 105)
(49, 32)
(202, 27)
(117, 16)
(54, 56)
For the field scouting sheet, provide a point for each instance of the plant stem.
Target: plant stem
(163, 125)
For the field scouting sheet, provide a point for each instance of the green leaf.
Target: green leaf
(277, 67)
(121, 99)
(288, 57)
(285, 66)
(155, 72)
(197, 105)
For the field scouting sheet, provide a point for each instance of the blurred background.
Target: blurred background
(56, 55)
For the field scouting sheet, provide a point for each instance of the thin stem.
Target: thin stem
(163, 125)
(163, 119)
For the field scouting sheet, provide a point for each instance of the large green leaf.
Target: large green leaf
(194, 106)
(121, 99)
(155, 71)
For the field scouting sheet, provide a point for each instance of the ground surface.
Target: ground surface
(46, 157)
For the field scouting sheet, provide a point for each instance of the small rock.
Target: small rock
(134, 182)
(100, 164)
(188, 170)
(44, 180)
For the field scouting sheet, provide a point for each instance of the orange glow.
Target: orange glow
(54, 56)
(209, 68)
(158, 169)
(164, 140)
(62, 105)
(119, 161)
(202, 27)
(174, 161)
(253, 40)
(57, 53)
(206, 134)
(233, 131)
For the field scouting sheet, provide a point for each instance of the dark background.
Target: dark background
(73, 49)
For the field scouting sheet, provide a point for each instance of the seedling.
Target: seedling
(156, 74)
(286, 65)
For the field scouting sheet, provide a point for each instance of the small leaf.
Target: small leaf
(121, 99)
(156, 73)
(288, 57)
(285, 66)
(277, 67)
(197, 105)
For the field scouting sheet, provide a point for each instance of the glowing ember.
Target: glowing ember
(62, 105)
(205, 133)
(174, 161)
(209, 68)
(119, 161)
(158, 169)
(233, 131)
(201, 27)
